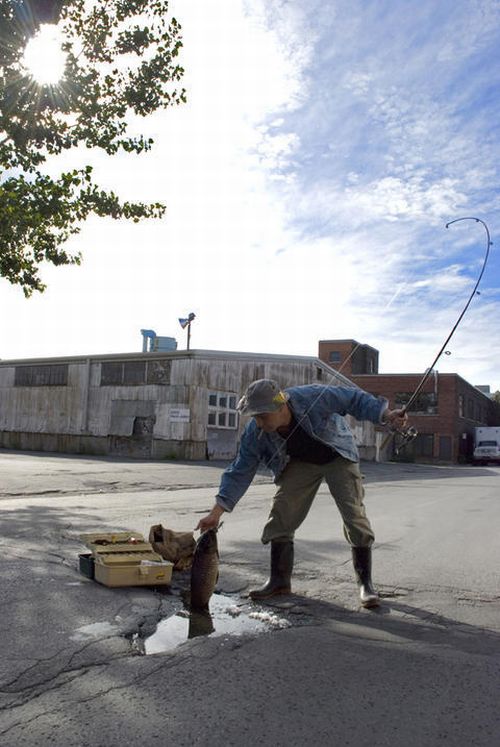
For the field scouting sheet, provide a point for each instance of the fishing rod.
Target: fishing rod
(408, 434)
(333, 377)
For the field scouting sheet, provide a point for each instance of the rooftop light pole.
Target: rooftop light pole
(187, 323)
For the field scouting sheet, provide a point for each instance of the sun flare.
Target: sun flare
(43, 57)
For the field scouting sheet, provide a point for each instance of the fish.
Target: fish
(200, 623)
(204, 570)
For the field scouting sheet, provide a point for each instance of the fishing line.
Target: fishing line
(411, 432)
(332, 378)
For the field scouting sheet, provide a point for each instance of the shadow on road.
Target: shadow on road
(393, 622)
(40, 523)
(398, 471)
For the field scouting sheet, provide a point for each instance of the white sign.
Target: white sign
(179, 415)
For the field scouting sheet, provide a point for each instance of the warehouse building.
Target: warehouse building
(167, 404)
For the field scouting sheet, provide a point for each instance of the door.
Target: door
(131, 428)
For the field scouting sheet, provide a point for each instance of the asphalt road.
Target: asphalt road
(423, 670)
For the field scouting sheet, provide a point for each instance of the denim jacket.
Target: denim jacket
(319, 410)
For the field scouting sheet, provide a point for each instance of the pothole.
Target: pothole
(226, 617)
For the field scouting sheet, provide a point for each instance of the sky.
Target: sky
(308, 182)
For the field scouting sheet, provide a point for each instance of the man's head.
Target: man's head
(265, 401)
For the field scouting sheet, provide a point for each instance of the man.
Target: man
(301, 435)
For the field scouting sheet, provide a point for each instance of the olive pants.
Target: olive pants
(297, 487)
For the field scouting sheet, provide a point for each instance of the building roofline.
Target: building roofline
(176, 355)
(349, 339)
(354, 342)
(159, 354)
(419, 376)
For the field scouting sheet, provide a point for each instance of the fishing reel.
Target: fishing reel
(407, 435)
(404, 437)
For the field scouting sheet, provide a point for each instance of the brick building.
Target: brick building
(349, 356)
(445, 412)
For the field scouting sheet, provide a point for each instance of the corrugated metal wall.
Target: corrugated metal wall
(93, 410)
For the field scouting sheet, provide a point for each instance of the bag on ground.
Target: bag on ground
(178, 547)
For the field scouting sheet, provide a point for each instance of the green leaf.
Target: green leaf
(90, 106)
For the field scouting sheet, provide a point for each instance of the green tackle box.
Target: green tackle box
(125, 559)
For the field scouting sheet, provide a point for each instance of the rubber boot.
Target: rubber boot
(362, 561)
(279, 581)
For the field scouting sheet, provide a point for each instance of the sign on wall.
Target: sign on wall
(179, 415)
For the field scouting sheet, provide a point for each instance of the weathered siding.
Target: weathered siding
(56, 409)
(135, 419)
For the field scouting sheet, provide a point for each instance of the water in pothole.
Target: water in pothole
(226, 617)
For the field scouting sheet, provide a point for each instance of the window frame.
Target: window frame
(41, 375)
(461, 406)
(224, 408)
(135, 373)
(426, 403)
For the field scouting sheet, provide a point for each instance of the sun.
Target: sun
(43, 57)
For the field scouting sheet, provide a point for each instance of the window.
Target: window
(158, 372)
(334, 356)
(135, 373)
(445, 448)
(461, 406)
(424, 445)
(470, 409)
(425, 403)
(222, 411)
(49, 375)
(111, 373)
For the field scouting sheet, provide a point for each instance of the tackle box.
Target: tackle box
(86, 564)
(123, 559)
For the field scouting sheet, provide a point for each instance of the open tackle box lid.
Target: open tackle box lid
(110, 545)
(126, 559)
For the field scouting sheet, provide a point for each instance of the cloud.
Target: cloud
(448, 279)
(308, 180)
(393, 141)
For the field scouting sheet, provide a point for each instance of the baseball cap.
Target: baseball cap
(263, 395)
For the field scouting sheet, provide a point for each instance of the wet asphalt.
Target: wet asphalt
(83, 664)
